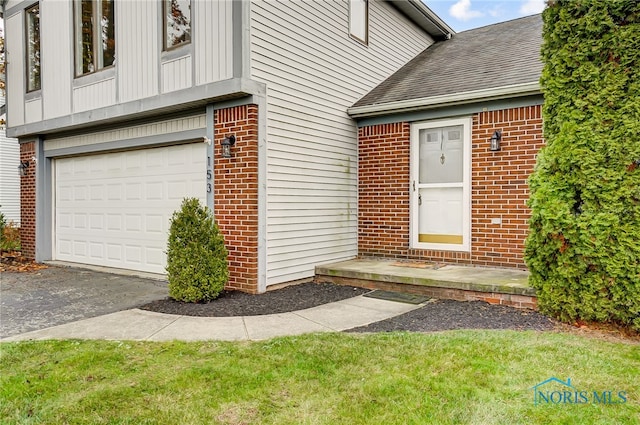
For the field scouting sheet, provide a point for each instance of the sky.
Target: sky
(467, 14)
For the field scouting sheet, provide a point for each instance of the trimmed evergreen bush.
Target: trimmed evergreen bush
(196, 256)
(3, 223)
(583, 249)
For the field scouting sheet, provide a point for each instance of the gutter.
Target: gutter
(447, 31)
(432, 102)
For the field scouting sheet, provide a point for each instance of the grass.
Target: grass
(475, 377)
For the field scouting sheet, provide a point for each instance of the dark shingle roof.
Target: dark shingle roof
(497, 55)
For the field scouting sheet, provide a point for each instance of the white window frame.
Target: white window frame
(359, 20)
(466, 185)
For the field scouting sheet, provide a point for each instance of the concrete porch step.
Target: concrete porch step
(497, 286)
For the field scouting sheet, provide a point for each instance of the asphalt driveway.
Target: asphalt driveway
(56, 295)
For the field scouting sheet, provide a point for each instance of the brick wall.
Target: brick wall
(28, 202)
(498, 189)
(383, 190)
(499, 184)
(236, 193)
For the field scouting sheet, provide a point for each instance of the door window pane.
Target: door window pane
(441, 155)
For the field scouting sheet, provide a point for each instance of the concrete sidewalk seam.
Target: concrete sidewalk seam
(148, 338)
(314, 321)
(244, 326)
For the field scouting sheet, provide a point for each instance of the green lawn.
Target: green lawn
(477, 377)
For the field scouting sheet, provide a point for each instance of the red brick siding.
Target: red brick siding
(498, 189)
(383, 190)
(236, 193)
(28, 202)
(499, 184)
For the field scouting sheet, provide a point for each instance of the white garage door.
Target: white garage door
(114, 209)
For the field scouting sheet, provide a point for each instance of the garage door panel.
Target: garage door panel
(118, 214)
(96, 250)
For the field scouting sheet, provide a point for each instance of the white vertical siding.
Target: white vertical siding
(212, 34)
(33, 110)
(95, 95)
(9, 178)
(56, 54)
(176, 74)
(314, 71)
(141, 69)
(156, 128)
(15, 69)
(137, 49)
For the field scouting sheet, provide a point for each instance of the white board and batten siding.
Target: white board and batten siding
(176, 74)
(140, 69)
(138, 48)
(56, 53)
(14, 65)
(213, 36)
(314, 71)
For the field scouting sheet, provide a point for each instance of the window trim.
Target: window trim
(366, 22)
(75, 40)
(26, 50)
(166, 48)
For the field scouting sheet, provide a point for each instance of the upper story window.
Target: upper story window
(95, 35)
(32, 16)
(359, 20)
(177, 23)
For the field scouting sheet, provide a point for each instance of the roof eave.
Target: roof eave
(425, 18)
(432, 102)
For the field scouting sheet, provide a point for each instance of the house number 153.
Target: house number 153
(209, 174)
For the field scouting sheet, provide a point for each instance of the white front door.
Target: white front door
(440, 172)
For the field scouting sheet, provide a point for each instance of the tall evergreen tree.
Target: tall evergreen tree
(583, 250)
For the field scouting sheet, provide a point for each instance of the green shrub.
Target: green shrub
(583, 249)
(3, 223)
(10, 237)
(196, 256)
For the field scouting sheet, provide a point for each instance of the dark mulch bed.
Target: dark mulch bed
(235, 303)
(436, 315)
(440, 315)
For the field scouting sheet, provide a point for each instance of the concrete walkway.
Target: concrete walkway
(149, 326)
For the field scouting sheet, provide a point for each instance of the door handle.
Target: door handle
(419, 200)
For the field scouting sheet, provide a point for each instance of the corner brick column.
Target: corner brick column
(28, 202)
(236, 193)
